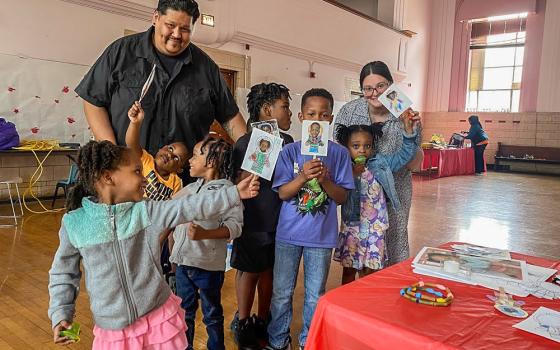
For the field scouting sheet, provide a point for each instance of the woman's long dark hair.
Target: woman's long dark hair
(93, 159)
(473, 120)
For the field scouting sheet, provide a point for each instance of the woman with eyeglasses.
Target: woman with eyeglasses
(375, 78)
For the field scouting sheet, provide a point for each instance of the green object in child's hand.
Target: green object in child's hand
(72, 333)
(360, 160)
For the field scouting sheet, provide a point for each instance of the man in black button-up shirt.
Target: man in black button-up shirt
(187, 94)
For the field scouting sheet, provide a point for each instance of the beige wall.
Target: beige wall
(69, 32)
(287, 36)
(24, 164)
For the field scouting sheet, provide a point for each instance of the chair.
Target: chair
(66, 183)
(9, 183)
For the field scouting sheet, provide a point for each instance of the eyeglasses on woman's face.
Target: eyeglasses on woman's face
(379, 88)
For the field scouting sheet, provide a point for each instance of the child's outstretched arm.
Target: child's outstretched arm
(64, 283)
(136, 116)
(170, 213)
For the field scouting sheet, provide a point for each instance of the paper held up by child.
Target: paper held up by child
(315, 138)
(270, 126)
(395, 100)
(262, 153)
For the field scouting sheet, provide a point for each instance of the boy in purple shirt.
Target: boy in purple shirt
(308, 224)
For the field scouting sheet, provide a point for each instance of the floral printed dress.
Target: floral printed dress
(362, 244)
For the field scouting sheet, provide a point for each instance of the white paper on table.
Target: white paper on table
(433, 273)
(471, 266)
(476, 250)
(544, 322)
(547, 290)
(533, 281)
(533, 284)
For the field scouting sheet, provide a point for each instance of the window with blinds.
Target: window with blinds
(496, 62)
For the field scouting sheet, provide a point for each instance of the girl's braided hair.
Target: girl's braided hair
(93, 159)
(343, 132)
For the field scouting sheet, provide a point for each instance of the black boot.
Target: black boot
(246, 339)
(261, 331)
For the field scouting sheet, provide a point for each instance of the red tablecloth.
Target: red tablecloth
(452, 161)
(370, 314)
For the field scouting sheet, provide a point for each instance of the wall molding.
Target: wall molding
(294, 51)
(134, 10)
(304, 54)
(118, 7)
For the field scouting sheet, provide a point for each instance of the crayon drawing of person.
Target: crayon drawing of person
(396, 102)
(550, 323)
(260, 156)
(315, 134)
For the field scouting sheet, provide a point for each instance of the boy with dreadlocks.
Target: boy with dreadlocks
(253, 252)
(200, 246)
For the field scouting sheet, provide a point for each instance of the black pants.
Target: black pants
(479, 158)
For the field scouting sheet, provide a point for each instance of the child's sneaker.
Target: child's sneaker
(234, 325)
(246, 339)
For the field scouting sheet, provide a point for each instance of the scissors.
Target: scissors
(147, 84)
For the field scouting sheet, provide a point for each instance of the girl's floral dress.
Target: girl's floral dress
(362, 244)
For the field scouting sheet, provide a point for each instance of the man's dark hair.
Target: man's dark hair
(317, 93)
(188, 6)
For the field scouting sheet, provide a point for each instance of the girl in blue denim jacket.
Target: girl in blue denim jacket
(361, 244)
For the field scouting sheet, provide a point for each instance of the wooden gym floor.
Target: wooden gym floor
(512, 211)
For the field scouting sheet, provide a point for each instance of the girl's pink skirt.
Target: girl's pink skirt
(161, 329)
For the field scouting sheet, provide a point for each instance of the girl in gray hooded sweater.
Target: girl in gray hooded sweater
(200, 247)
(114, 232)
